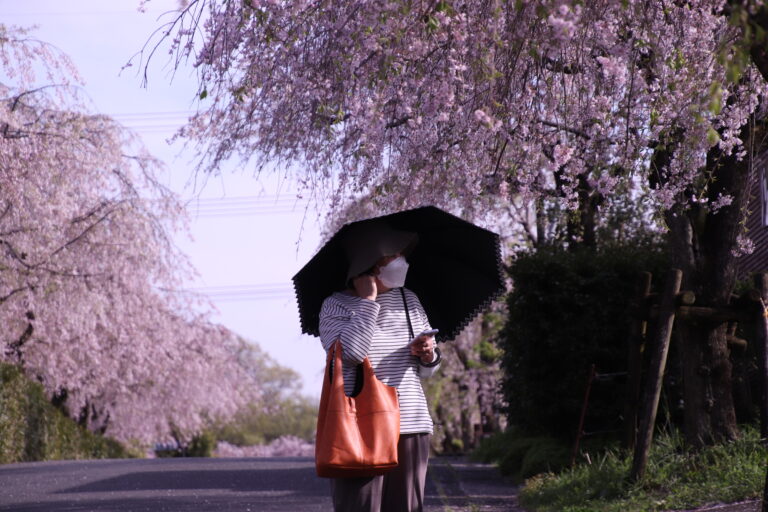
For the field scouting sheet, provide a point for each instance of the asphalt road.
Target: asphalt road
(231, 485)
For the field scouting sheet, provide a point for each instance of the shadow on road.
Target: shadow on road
(231, 485)
(299, 481)
(180, 485)
(177, 504)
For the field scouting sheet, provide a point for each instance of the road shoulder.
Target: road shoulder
(458, 485)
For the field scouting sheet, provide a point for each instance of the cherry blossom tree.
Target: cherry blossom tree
(88, 272)
(470, 102)
(465, 395)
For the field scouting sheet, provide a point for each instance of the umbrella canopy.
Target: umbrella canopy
(455, 269)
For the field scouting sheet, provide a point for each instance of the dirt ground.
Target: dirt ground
(744, 506)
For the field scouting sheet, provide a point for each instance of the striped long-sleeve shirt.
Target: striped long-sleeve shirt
(379, 330)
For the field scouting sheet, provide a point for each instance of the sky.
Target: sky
(249, 235)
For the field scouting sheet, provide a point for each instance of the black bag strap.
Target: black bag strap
(407, 314)
(358, 387)
(359, 369)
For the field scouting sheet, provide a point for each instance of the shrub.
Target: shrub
(31, 429)
(567, 311)
(521, 457)
(544, 455)
(201, 444)
(493, 447)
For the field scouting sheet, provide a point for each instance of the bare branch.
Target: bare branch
(13, 292)
(84, 232)
(563, 127)
(398, 122)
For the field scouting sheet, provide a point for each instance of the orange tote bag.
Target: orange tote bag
(356, 436)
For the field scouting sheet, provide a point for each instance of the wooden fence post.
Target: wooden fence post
(635, 360)
(660, 348)
(584, 406)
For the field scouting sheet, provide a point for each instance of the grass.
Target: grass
(520, 456)
(675, 479)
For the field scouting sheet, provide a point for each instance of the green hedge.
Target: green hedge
(567, 311)
(520, 457)
(31, 429)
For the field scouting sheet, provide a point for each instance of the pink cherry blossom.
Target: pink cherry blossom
(501, 111)
(435, 96)
(89, 275)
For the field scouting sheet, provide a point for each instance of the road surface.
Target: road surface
(231, 485)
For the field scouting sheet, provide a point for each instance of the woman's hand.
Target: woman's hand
(423, 347)
(365, 286)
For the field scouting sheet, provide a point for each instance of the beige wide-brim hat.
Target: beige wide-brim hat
(364, 245)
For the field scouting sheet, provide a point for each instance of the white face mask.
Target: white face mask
(392, 275)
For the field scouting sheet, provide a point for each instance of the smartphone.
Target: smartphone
(429, 332)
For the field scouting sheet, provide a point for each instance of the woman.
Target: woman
(370, 318)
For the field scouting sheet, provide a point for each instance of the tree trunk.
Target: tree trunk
(581, 224)
(709, 412)
(702, 244)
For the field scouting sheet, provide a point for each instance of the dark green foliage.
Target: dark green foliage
(567, 311)
(491, 448)
(201, 444)
(746, 366)
(31, 429)
(544, 455)
(521, 457)
(511, 462)
(488, 352)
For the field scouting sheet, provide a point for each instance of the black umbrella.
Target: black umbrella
(455, 269)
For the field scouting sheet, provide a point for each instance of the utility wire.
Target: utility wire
(153, 122)
(241, 293)
(132, 116)
(87, 13)
(246, 205)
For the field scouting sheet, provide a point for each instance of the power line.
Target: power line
(242, 293)
(245, 213)
(147, 129)
(152, 115)
(153, 122)
(266, 199)
(246, 205)
(87, 13)
(144, 118)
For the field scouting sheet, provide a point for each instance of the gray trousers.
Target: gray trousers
(399, 490)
